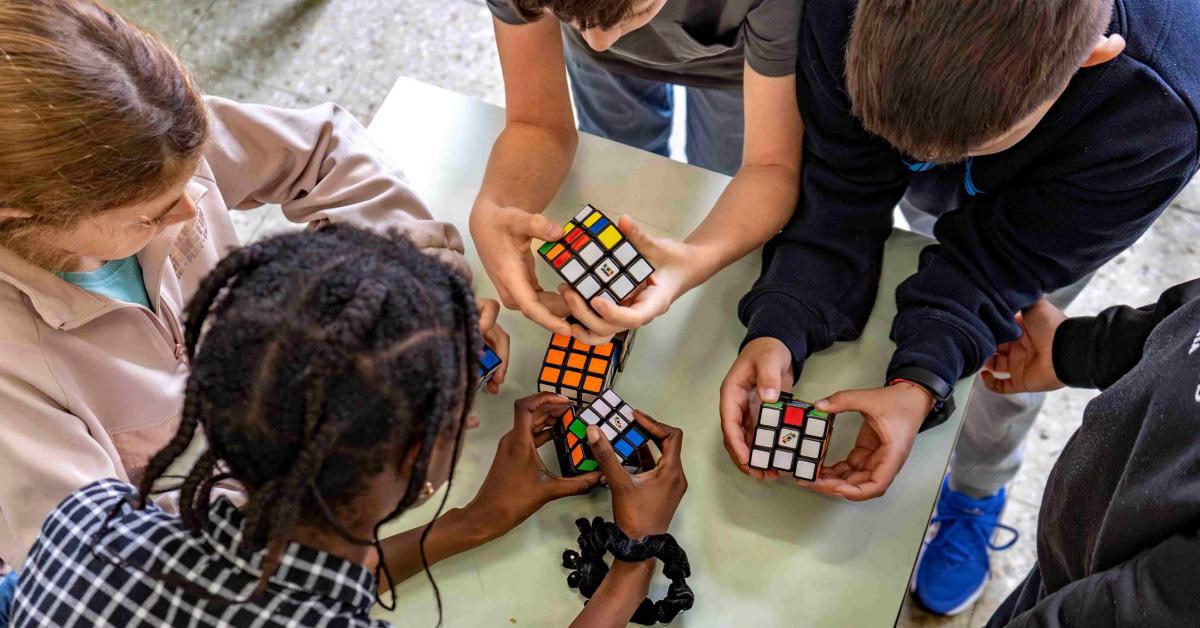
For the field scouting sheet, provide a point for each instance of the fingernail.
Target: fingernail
(769, 394)
(821, 404)
(604, 480)
(593, 434)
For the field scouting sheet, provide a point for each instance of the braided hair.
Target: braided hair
(325, 355)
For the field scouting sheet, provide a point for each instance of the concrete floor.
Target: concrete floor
(302, 52)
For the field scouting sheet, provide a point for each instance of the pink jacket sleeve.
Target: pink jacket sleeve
(319, 165)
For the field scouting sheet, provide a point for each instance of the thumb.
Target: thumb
(844, 401)
(610, 462)
(578, 485)
(636, 235)
(538, 226)
(769, 369)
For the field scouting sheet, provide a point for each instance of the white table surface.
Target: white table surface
(762, 554)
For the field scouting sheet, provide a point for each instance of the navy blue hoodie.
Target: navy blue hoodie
(1106, 160)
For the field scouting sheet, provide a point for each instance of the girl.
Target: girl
(338, 398)
(116, 181)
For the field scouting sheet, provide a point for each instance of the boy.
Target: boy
(1046, 135)
(1117, 540)
(738, 61)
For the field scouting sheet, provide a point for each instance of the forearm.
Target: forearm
(527, 165)
(453, 533)
(753, 208)
(618, 597)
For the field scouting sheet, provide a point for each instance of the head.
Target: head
(331, 373)
(942, 80)
(102, 127)
(601, 22)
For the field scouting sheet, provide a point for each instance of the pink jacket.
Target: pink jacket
(91, 388)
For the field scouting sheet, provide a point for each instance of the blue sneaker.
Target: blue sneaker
(952, 569)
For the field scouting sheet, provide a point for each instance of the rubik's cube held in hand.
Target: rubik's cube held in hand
(488, 366)
(580, 371)
(791, 437)
(614, 417)
(596, 259)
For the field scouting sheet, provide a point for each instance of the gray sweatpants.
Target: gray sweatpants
(991, 444)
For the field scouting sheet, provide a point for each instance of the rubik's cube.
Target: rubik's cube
(614, 417)
(488, 366)
(596, 259)
(791, 437)
(580, 372)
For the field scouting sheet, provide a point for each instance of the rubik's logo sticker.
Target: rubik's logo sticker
(596, 259)
(791, 437)
(615, 419)
(580, 371)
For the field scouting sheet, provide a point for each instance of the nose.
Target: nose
(183, 211)
(599, 39)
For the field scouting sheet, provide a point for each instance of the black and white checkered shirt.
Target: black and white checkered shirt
(77, 578)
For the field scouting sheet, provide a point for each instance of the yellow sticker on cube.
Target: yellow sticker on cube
(609, 237)
(591, 220)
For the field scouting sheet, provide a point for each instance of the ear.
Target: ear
(9, 213)
(1106, 49)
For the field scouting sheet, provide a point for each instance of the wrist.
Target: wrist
(469, 524)
(920, 397)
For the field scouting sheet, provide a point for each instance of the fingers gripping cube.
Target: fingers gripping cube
(615, 419)
(791, 437)
(580, 372)
(596, 259)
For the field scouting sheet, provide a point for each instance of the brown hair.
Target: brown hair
(583, 13)
(939, 77)
(96, 113)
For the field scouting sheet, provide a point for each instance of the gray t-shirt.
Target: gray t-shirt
(700, 43)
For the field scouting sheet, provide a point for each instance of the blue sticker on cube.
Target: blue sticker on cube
(635, 437)
(624, 448)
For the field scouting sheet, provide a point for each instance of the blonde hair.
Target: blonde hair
(95, 114)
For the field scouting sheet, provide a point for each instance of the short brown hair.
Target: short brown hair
(95, 113)
(939, 77)
(583, 13)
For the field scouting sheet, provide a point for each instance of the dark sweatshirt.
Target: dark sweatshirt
(1119, 531)
(1109, 156)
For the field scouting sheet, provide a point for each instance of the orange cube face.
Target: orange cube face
(576, 370)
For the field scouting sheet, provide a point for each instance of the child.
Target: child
(116, 181)
(1046, 135)
(738, 61)
(1117, 542)
(339, 399)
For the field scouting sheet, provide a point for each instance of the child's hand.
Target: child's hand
(1027, 363)
(674, 264)
(644, 504)
(503, 236)
(764, 366)
(892, 416)
(496, 338)
(518, 484)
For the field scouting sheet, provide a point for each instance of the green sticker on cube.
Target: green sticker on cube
(579, 429)
(589, 465)
(817, 414)
(545, 248)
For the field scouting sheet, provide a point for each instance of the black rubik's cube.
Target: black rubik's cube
(596, 259)
(791, 437)
(488, 366)
(580, 372)
(614, 417)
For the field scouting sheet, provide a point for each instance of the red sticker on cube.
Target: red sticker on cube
(793, 415)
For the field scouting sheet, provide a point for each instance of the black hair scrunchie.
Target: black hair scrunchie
(598, 537)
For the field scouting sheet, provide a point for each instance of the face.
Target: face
(122, 232)
(602, 39)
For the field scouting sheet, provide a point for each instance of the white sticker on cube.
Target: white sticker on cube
(606, 270)
(589, 417)
(623, 286)
(608, 431)
(626, 411)
(814, 427)
(591, 253)
(601, 408)
(810, 449)
(572, 271)
(769, 417)
(588, 287)
(607, 296)
(584, 213)
(783, 459)
(618, 421)
(640, 270)
(611, 397)
(625, 253)
(806, 470)
(760, 459)
(764, 438)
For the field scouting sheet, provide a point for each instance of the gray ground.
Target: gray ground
(302, 52)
